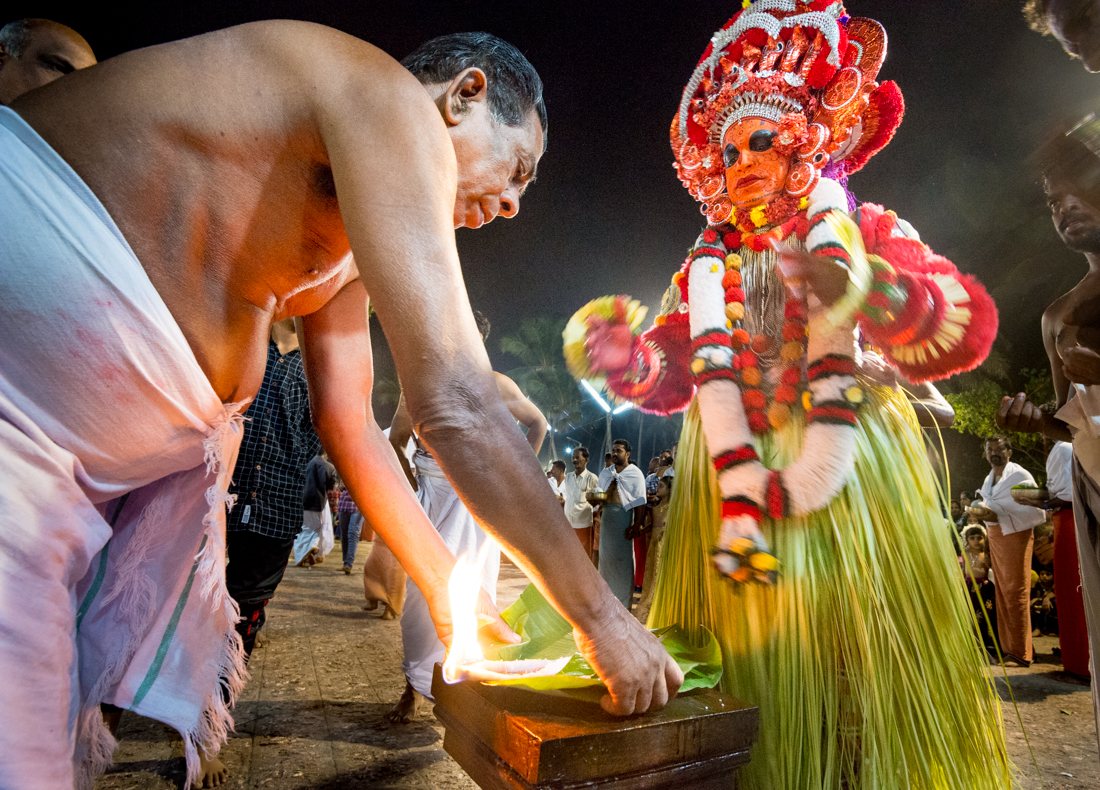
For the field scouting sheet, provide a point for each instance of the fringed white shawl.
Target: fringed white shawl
(101, 398)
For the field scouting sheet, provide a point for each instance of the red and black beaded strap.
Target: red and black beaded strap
(833, 415)
(735, 506)
(731, 458)
(775, 494)
(831, 365)
(715, 373)
(712, 337)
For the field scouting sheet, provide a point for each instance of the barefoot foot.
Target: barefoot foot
(372, 604)
(407, 707)
(390, 613)
(213, 772)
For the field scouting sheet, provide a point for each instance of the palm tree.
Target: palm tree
(543, 377)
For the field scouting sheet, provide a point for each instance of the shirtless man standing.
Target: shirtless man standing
(240, 172)
(1071, 335)
(422, 648)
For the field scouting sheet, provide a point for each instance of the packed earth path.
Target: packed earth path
(312, 715)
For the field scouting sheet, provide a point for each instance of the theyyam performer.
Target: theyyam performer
(805, 528)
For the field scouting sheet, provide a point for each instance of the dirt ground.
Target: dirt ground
(312, 714)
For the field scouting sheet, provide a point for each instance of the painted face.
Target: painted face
(1076, 25)
(755, 172)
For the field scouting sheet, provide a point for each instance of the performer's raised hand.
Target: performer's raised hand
(609, 344)
(806, 273)
(1020, 415)
(1081, 365)
(639, 673)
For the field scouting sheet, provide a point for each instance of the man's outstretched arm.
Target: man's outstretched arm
(396, 179)
(525, 412)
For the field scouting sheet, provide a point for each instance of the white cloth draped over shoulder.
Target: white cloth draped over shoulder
(1011, 515)
(462, 536)
(631, 484)
(101, 398)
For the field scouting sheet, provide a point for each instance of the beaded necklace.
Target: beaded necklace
(752, 344)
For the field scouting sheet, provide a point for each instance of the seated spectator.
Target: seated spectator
(1044, 609)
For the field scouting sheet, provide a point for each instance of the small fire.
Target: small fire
(464, 587)
(464, 658)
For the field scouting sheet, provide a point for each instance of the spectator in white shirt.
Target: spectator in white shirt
(557, 479)
(1011, 542)
(624, 513)
(578, 484)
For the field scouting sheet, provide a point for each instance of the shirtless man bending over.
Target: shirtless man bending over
(219, 184)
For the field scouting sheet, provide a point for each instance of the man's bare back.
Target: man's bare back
(230, 205)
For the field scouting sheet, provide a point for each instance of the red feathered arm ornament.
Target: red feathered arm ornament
(928, 319)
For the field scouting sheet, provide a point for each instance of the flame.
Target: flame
(464, 658)
(464, 587)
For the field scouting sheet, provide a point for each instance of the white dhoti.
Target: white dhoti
(105, 418)
(316, 533)
(462, 535)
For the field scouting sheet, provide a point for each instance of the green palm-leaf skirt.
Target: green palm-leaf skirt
(863, 659)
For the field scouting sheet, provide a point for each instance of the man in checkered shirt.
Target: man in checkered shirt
(278, 442)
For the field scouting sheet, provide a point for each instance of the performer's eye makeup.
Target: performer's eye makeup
(731, 154)
(761, 141)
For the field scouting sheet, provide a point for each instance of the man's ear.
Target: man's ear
(4, 56)
(468, 87)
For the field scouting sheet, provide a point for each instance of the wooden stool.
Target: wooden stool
(510, 738)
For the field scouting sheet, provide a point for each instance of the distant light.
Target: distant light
(624, 407)
(592, 391)
(568, 450)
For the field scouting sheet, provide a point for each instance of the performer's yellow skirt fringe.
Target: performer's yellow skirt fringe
(863, 659)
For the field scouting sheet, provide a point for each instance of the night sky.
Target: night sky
(608, 215)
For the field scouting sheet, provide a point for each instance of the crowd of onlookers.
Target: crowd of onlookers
(1005, 534)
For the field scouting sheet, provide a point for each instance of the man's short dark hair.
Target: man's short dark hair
(559, 465)
(624, 444)
(998, 437)
(514, 86)
(1035, 12)
(483, 325)
(583, 451)
(1064, 154)
(607, 456)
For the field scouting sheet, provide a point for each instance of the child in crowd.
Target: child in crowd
(975, 569)
(655, 528)
(1044, 608)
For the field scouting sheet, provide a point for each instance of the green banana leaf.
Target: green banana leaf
(548, 635)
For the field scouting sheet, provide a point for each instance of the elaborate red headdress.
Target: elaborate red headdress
(808, 67)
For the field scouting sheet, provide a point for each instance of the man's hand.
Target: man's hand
(440, 609)
(875, 368)
(1019, 414)
(1081, 365)
(639, 673)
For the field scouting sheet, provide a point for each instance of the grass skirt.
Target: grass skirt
(863, 659)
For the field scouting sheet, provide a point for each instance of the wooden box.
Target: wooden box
(509, 738)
